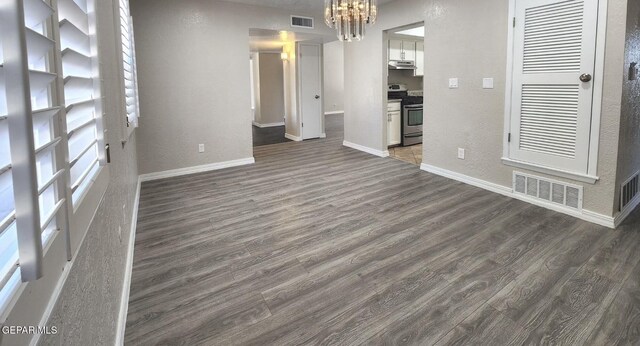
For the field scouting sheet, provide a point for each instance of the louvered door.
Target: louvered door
(554, 57)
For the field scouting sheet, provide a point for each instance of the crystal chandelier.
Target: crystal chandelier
(349, 17)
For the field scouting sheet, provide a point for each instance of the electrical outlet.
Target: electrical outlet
(461, 153)
(201, 148)
(453, 83)
(487, 83)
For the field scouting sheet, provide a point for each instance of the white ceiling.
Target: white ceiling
(293, 5)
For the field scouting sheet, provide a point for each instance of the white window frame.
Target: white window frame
(591, 175)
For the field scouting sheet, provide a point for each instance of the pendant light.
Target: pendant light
(350, 17)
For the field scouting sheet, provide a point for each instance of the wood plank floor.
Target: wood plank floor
(321, 244)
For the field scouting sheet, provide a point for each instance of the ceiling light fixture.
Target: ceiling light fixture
(350, 17)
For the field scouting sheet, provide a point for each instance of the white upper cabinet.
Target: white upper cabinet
(409, 49)
(395, 50)
(402, 50)
(552, 86)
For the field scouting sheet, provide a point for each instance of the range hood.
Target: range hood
(402, 65)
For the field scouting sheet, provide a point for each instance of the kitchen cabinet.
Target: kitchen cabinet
(409, 49)
(395, 50)
(419, 71)
(402, 50)
(394, 123)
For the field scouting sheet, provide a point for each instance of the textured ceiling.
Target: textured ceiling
(294, 5)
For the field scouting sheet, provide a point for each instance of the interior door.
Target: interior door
(554, 60)
(311, 90)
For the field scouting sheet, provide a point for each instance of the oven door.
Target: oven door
(412, 121)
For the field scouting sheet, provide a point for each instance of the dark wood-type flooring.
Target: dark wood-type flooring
(320, 244)
(268, 135)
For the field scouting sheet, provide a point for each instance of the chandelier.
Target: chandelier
(349, 17)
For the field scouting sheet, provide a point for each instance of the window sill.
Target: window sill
(589, 179)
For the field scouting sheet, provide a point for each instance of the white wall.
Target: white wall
(292, 117)
(194, 80)
(271, 89)
(467, 39)
(255, 86)
(333, 76)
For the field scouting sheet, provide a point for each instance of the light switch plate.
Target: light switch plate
(461, 153)
(487, 83)
(453, 83)
(201, 148)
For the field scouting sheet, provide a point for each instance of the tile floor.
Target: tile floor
(412, 154)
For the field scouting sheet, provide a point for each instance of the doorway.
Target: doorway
(267, 98)
(404, 78)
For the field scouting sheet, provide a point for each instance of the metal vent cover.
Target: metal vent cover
(302, 22)
(629, 190)
(548, 190)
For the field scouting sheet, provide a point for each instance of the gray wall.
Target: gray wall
(194, 80)
(271, 89)
(333, 61)
(468, 39)
(87, 310)
(629, 149)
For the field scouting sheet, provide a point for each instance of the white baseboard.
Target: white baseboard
(126, 284)
(262, 126)
(334, 112)
(196, 169)
(323, 135)
(627, 210)
(292, 137)
(586, 215)
(367, 150)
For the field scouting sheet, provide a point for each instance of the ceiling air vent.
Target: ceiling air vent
(629, 191)
(302, 22)
(548, 190)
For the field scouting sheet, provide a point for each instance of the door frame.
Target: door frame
(299, 45)
(596, 107)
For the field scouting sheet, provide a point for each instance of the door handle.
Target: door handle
(317, 97)
(585, 78)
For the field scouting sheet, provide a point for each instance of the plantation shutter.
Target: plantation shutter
(129, 66)
(554, 57)
(81, 91)
(31, 176)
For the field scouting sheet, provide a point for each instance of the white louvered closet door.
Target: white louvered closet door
(554, 45)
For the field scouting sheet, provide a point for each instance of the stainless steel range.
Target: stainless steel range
(412, 117)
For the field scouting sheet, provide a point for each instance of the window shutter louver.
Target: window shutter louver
(78, 66)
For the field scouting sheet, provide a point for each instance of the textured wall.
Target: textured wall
(333, 60)
(87, 310)
(629, 150)
(194, 80)
(271, 89)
